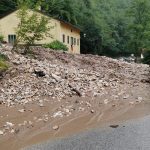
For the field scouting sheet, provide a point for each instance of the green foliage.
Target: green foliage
(56, 45)
(7, 5)
(3, 57)
(140, 26)
(146, 59)
(3, 64)
(32, 27)
(1, 38)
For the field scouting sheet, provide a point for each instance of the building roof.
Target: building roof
(61, 20)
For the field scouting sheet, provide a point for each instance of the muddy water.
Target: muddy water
(75, 123)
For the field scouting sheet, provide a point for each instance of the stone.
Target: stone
(9, 124)
(12, 131)
(106, 101)
(41, 105)
(56, 127)
(57, 78)
(114, 126)
(21, 110)
(126, 97)
(140, 98)
(1, 132)
(92, 111)
(57, 114)
(131, 103)
(39, 73)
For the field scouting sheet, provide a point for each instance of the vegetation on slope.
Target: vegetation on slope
(3, 63)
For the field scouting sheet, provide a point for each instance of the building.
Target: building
(61, 30)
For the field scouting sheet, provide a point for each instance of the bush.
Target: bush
(56, 45)
(1, 38)
(146, 59)
(3, 65)
(3, 57)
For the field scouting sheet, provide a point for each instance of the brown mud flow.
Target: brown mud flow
(51, 95)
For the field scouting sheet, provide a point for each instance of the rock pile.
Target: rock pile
(58, 75)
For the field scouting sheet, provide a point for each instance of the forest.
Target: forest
(112, 27)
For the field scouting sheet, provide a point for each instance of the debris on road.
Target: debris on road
(80, 75)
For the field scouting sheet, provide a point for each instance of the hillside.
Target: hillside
(61, 94)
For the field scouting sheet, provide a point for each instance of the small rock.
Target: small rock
(57, 114)
(55, 127)
(12, 131)
(30, 123)
(131, 103)
(106, 101)
(113, 105)
(17, 131)
(9, 124)
(1, 132)
(114, 126)
(126, 97)
(140, 98)
(92, 111)
(41, 105)
(21, 110)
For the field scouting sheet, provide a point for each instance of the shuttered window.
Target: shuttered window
(11, 39)
(68, 39)
(74, 41)
(63, 36)
(71, 40)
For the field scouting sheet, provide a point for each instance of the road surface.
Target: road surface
(132, 135)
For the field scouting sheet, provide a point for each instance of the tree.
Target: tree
(7, 5)
(140, 26)
(32, 27)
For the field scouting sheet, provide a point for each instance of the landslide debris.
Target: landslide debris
(60, 75)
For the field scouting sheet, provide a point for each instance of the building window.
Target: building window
(78, 42)
(74, 41)
(63, 38)
(68, 39)
(71, 30)
(71, 40)
(11, 39)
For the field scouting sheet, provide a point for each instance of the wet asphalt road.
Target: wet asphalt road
(132, 135)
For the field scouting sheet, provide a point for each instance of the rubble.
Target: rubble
(58, 75)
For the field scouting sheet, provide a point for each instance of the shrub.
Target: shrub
(3, 57)
(3, 65)
(1, 38)
(146, 59)
(56, 45)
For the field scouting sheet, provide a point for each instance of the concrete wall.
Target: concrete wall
(8, 26)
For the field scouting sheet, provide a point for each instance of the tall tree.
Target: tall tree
(7, 5)
(140, 26)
